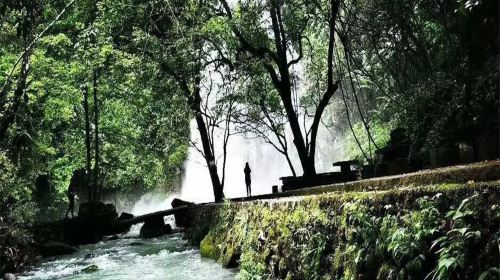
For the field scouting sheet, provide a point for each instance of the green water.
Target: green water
(167, 257)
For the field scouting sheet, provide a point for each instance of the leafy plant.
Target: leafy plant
(453, 245)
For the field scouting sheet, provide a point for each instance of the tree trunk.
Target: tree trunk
(282, 83)
(87, 143)
(289, 161)
(193, 98)
(96, 136)
(284, 87)
(308, 167)
(205, 141)
(331, 86)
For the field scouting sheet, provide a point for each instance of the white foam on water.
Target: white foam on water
(150, 203)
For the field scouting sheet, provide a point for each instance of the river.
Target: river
(167, 257)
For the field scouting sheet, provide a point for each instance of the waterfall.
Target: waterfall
(267, 165)
(152, 202)
(149, 203)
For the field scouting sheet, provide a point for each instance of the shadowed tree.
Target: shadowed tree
(275, 34)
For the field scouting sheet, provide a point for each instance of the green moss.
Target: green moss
(230, 255)
(356, 235)
(209, 248)
(386, 272)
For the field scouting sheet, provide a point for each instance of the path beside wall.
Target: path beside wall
(442, 223)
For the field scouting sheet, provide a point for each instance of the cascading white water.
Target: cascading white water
(266, 163)
(149, 203)
(152, 202)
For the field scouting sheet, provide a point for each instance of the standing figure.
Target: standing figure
(248, 179)
(71, 197)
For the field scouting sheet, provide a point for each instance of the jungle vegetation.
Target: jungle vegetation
(110, 87)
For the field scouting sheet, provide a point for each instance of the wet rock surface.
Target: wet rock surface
(90, 269)
(9, 276)
(125, 216)
(110, 237)
(55, 248)
(93, 223)
(154, 227)
(182, 219)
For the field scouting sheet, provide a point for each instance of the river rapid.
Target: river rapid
(167, 257)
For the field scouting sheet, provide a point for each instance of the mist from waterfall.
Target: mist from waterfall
(152, 202)
(267, 165)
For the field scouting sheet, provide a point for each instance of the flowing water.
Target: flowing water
(167, 257)
(130, 257)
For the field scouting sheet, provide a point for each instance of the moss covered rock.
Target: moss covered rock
(208, 248)
(230, 255)
(90, 269)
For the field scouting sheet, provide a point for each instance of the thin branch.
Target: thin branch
(27, 48)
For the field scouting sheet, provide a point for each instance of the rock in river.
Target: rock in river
(9, 276)
(55, 248)
(154, 227)
(90, 269)
(182, 219)
(125, 216)
(89, 256)
(110, 237)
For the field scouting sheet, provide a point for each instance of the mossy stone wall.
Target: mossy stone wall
(447, 231)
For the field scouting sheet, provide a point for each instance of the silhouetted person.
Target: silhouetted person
(248, 179)
(71, 197)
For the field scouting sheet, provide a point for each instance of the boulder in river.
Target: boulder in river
(154, 227)
(179, 202)
(125, 216)
(89, 256)
(9, 276)
(121, 228)
(182, 219)
(90, 269)
(230, 257)
(110, 237)
(55, 248)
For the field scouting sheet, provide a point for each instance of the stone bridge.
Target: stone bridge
(152, 216)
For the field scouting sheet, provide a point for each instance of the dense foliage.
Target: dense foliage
(50, 52)
(143, 124)
(428, 67)
(110, 87)
(16, 213)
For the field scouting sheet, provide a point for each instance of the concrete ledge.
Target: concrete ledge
(202, 216)
(478, 172)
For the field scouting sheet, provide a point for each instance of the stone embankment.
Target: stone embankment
(440, 223)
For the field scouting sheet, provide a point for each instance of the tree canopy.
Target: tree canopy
(277, 70)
